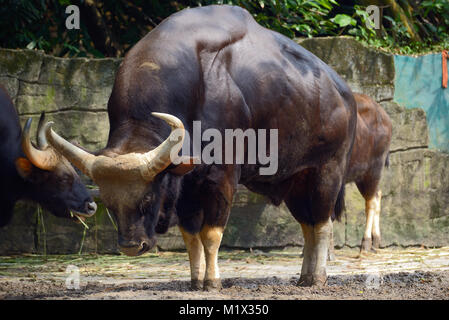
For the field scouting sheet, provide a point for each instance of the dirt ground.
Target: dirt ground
(412, 273)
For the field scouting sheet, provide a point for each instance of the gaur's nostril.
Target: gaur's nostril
(144, 246)
(91, 207)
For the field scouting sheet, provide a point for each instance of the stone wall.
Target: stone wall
(74, 93)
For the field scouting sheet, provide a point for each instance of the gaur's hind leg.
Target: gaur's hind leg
(376, 223)
(371, 236)
(331, 253)
(367, 240)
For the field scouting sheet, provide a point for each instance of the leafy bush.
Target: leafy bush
(293, 17)
(430, 28)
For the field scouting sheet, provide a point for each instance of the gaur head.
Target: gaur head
(134, 186)
(50, 179)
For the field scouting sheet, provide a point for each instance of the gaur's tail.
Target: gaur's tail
(340, 204)
(387, 160)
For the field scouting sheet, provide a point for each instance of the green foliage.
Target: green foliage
(40, 24)
(344, 20)
(291, 17)
(430, 19)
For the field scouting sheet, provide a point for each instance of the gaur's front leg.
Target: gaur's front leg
(309, 260)
(322, 233)
(313, 271)
(195, 250)
(211, 239)
(207, 219)
(203, 249)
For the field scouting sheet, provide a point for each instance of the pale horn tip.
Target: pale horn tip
(48, 126)
(173, 121)
(27, 125)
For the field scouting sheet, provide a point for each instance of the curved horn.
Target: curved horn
(149, 164)
(77, 156)
(160, 158)
(40, 137)
(45, 160)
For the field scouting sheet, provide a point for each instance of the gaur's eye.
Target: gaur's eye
(65, 179)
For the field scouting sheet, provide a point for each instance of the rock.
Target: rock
(89, 128)
(263, 224)
(365, 69)
(33, 98)
(24, 65)
(11, 85)
(172, 240)
(19, 235)
(409, 127)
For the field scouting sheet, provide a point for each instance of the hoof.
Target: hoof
(376, 242)
(319, 280)
(212, 285)
(366, 245)
(196, 285)
(309, 280)
(306, 280)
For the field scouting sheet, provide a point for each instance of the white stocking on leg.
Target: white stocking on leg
(196, 257)
(376, 223)
(211, 238)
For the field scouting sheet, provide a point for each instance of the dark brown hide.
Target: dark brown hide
(371, 145)
(217, 65)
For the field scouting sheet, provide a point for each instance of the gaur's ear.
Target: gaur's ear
(24, 167)
(187, 164)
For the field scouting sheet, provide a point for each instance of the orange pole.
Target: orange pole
(444, 56)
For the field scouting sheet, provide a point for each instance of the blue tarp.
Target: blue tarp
(418, 85)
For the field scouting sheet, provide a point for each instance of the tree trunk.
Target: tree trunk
(399, 13)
